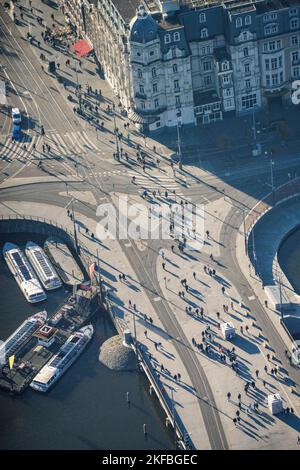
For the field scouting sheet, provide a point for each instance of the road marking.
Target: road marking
(156, 299)
(252, 297)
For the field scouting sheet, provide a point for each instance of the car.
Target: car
(16, 116)
(16, 133)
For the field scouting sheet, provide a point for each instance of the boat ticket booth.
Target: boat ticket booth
(275, 404)
(228, 330)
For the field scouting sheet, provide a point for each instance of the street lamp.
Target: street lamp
(115, 131)
(74, 222)
(178, 139)
(173, 417)
(272, 181)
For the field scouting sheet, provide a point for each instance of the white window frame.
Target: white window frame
(176, 36)
(248, 20)
(204, 33)
(294, 23)
(239, 22)
(167, 38)
(202, 18)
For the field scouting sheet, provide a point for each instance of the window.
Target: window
(176, 36)
(248, 84)
(216, 106)
(226, 79)
(245, 36)
(153, 71)
(275, 79)
(272, 46)
(246, 52)
(294, 40)
(177, 101)
(296, 72)
(268, 80)
(238, 22)
(143, 106)
(204, 33)
(173, 51)
(202, 18)
(249, 101)
(280, 61)
(140, 73)
(294, 23)
(295, 56)
(138, 54)
(176, 84)
(247, 68)
(270, 17)
(267, 64)
(293, 12)
(281, 77)
(167, 38)
(274, 63)
(247, 20)
(175, 68)
(154, 87)
(142, 89)
(225, 65)
(157, 124)
(156, 103)
(207, 66)
(228, 92)
(207, 80)
(271, 29)
(151, 53)
(229, 103)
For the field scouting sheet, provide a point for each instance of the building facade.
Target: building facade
(193, 61)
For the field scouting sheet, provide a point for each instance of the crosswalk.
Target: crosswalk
(62, 146)
(159, 183)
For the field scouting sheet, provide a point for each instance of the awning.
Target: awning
(82, 48)
(139, 119)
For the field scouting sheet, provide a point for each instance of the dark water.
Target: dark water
(289, 259)
(87, 408)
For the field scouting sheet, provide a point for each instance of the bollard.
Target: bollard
(145, 429)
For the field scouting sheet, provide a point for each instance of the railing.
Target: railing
(151, 373)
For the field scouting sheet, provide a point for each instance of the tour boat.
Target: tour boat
(23, 273)
(60, 362)
(25, 330)
(42, 266)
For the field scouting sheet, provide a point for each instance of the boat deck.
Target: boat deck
(32, 356)
(63, 261)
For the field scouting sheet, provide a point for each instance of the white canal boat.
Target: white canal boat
(60, 362)
(42, 266)
(22, 334)
(23, 273)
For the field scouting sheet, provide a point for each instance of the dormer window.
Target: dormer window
(225, 65)
(167, 38)
(247, 20)
(202, 18)
(238, 22)
(293, 12)
(204, 33)
(176, 36)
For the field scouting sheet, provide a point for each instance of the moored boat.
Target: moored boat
(42, 266)
(21, 335)
(60, 362)
(23, 273)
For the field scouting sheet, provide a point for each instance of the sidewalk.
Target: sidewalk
(205, 291)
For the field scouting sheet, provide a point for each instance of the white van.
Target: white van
(16, 115)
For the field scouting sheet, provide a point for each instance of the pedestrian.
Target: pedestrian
(223, 290)
(194, 275)
(145, 333)
(241, 329)
(164, 266)
(228, 396)
(257, 373)
(234, 421)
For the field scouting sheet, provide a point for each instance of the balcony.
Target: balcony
(141, 96)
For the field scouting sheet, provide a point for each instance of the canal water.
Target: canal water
(289, 259)
(87, 408)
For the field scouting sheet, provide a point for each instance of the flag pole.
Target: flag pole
(99, 277)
